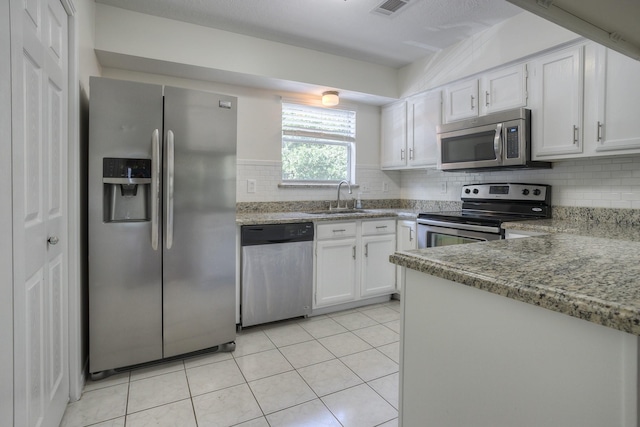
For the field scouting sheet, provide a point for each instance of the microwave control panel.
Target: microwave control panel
(513, 143)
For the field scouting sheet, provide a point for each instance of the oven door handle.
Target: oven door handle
(470, 227)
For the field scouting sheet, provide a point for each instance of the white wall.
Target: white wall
(6, 247)
(260, 142)
(126, 36)
(87, 62)
(518, 37)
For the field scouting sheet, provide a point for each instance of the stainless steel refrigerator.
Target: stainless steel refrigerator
(162, 234)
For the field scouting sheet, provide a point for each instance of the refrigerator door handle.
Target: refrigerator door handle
(170, 166)
(155, 196)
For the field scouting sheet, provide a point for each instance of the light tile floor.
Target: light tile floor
(339, 369)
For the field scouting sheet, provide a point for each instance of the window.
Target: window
(318, 144)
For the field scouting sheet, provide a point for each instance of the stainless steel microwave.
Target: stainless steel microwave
(495, 141)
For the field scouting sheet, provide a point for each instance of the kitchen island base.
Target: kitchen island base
(473, 358)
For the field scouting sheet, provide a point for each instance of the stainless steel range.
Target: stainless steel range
(484, 208)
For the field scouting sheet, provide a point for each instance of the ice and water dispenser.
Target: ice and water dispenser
(127, 189)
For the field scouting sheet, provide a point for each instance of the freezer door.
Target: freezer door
(125, 281)
(199, 220)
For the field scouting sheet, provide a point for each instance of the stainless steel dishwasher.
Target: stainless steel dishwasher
(277, 272)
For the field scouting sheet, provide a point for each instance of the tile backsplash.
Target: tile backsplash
(370, 181)
(603, 183)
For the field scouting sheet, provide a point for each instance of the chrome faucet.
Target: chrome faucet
(350, 192)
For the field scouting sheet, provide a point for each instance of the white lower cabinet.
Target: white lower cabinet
(336, 271)
(377, 273)
(352, 261)
(406, 239)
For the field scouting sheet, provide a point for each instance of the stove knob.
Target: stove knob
(525, 192)
(536, 192)
(467, 191)
(475, 191)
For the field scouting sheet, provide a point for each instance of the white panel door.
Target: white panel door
(335, 271)
(503, 89)
(406, 239)
(39, 125)
(461, 100)
(393, 136)
(556, 104)
(378, 275)
(424, 115)
(616, 129)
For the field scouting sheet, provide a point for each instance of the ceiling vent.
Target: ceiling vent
(390, 7)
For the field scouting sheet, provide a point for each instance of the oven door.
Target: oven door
(431, 236)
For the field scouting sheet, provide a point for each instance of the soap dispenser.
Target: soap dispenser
(359, 202)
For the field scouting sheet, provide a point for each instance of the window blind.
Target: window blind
(320, 124)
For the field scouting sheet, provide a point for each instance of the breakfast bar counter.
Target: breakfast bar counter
(593, 279)
(537, 331)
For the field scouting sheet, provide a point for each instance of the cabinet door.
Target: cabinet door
(461, 100)
(556, 104)
(377, 274)
(424, 114)
(406, 239)
(393, 136)
(616, 127)
(335, 271)
(503, 89)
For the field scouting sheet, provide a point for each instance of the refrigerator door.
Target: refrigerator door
(125, 272)
(199, 220)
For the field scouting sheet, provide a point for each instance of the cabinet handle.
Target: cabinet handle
(353, 250)
(366, 250)
(599, 132)
(402, 154)
(486, 98)
(381, 226)
(411, 234)
(341, 230)
(575, 134)
(410, 153)
(472, 99)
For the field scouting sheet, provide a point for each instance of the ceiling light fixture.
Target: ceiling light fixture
(330, 98)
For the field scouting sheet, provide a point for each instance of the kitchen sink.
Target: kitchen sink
(337, 211)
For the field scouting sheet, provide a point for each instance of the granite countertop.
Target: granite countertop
(592, 278)
(290, 217)
(582, 228)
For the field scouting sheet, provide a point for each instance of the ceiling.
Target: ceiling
(346, 28)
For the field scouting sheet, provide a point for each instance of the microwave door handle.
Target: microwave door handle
(497, 142)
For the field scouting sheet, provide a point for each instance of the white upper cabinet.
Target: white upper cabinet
(494, 91)
(612, 123)
(557, 89)
(408, 132)
(393, 136)
(503, 89)
(424, 115)
(461, 100)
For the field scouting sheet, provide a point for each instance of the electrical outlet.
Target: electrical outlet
(251, 186)
(365, 187)
(443, 187)
(385, 186)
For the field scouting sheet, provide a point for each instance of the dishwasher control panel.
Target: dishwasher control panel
(276, 233)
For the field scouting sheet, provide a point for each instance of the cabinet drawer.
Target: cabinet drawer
(385, 226)
(333, 230)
